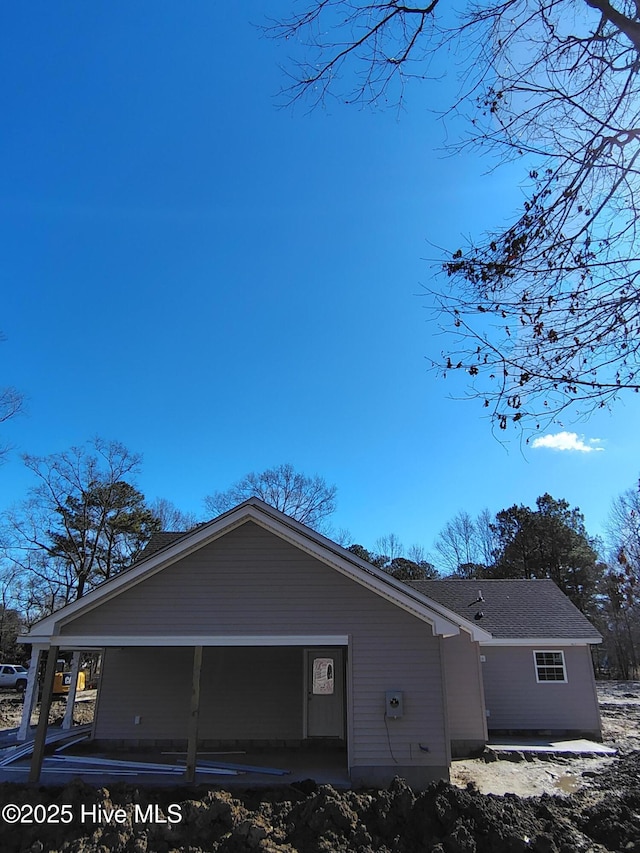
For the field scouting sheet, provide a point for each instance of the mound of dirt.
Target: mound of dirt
(604, 815)
(306, 818)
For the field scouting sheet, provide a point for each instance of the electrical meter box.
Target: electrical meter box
(394, 703)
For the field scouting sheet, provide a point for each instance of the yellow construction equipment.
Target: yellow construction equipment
(62, 678)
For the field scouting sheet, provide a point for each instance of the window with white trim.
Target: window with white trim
(550, 666)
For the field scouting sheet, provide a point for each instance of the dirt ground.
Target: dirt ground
(577, 805)
(11, 709)
(620, 711)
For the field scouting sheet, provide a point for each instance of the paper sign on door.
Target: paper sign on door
(323, 676)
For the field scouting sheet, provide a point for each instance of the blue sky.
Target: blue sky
(223, 285)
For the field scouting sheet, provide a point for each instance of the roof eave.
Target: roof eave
(542, 641)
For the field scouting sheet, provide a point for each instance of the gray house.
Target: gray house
(537, 670)
(254, 628)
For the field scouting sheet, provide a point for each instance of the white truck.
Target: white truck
(14, 676)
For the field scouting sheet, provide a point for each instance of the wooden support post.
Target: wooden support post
(43, 721)
(67, 721)
(30, 694)
(192, 738)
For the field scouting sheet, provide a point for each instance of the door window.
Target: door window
(323, 676)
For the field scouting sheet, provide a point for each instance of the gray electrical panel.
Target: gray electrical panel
(394, 703)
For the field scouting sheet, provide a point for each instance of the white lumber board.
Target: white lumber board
(132, 765)
(71, 743)
(53, 736)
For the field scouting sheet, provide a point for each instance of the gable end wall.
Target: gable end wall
(251, 582)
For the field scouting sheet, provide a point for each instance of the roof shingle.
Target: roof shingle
(157, 542)
(512, 609)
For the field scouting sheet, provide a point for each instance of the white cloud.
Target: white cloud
(568, 441)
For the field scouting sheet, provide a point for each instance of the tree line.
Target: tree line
(549, 541)
(84, 521)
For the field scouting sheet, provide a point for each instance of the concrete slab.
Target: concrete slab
(578, 746)
(323, 766)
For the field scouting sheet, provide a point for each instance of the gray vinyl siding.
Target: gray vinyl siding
(465, 699)
(516, 701)
(152, 683)
(251, 582)
(245, 694)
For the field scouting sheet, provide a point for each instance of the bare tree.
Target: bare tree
(623, 529)
(486, 541)
(619, 622)
(620, 589)
(11, 404)
(309, 500)
(342, 536)
(456, 542)
(461, 543)
(389, 547)
(543, 314)
(171, 518)
(10, 621)
(417, 553)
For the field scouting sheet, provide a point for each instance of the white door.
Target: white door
(325, 692)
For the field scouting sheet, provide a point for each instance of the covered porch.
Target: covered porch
(240, 696)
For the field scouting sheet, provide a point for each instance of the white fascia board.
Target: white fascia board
(38, 642)
(253, 640)
(443, 621)
(540, 641)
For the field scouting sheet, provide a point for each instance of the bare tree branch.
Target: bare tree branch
(543, 315)
(307, 499)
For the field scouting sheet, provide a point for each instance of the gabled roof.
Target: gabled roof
(513, 609)
(172, 547)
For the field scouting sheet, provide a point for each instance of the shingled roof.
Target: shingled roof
(512, 609)
(159, 541)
